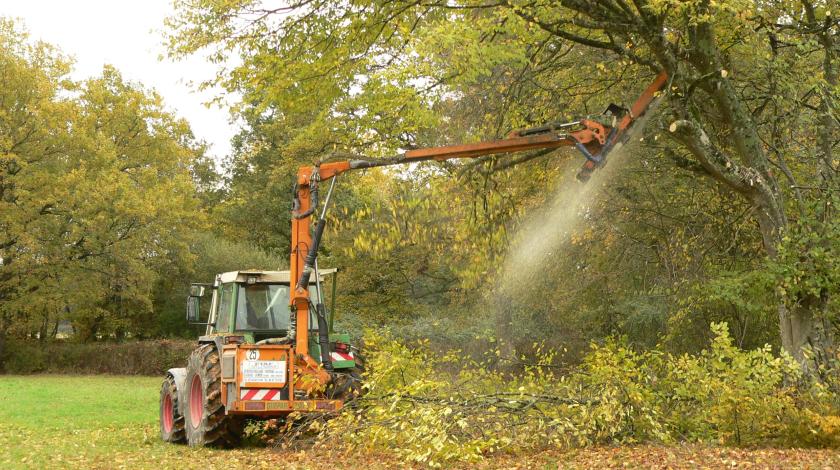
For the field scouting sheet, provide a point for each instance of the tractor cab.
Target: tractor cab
(254, 306)
(255, 303)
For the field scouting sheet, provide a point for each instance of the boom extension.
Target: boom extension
(594, 138)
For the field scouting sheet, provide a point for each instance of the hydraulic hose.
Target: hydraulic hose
(323, 335)
(312, 255)
(313, 197)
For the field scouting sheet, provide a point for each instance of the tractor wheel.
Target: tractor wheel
(171, 420)
(347, 385)
(206, 421)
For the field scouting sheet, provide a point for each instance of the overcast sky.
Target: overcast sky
(126, 34)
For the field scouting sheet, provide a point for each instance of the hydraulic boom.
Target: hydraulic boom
(593, 137)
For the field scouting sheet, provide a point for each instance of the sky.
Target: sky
(126, 34)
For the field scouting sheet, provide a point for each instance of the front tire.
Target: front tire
(171, 420)
(205, 418)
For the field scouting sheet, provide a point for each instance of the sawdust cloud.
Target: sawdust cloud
(547, 230)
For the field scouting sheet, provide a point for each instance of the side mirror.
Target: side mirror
(196, 290)
(192, 309)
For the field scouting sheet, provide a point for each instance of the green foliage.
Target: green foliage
(808, 268)
(734, 396)
(622, 384)
(98, 195)
(434, 408)
(742, 299)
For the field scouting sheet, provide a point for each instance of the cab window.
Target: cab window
(225, 301)
(262, 307)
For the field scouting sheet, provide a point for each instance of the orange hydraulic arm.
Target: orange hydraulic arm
(594, 138)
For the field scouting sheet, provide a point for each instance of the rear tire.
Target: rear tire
(347, 384)
(205, 418)
(171, 420)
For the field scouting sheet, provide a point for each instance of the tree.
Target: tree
(751, 102)
(98, 195)
(32, 135)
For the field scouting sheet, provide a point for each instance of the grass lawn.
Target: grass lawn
(111, 422)
(54, 421)
(86, 421)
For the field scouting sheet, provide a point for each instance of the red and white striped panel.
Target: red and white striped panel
(340, 356)
(267, 394)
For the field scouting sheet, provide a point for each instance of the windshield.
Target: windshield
(266, 307)
(262, 307)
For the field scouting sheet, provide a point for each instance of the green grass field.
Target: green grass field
(54, 421)
(88, 421)
(111, 422)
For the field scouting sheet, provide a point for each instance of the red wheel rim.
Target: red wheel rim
(196, 402)
(168, 416)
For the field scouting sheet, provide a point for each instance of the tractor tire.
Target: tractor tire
(171, 420)
(346, 386)
(205, 418)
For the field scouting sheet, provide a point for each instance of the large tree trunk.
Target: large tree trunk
(804, 331)
(806, 334)
(738, 160)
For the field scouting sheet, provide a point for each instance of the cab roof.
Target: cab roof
(276, 277)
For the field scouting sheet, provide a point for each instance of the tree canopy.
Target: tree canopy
(97, 194)
(737, 171)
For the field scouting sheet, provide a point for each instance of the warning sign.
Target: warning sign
(263, 371)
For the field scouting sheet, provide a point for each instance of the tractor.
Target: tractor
(241, 369)
(269, 349)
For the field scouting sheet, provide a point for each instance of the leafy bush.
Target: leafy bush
(434, 408)
(734, 396)
(624, 395)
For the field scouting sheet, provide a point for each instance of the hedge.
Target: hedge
(127, 358)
